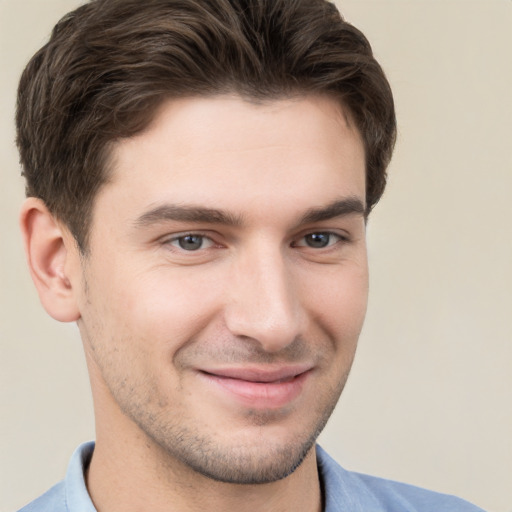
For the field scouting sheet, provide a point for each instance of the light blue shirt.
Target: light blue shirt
(344, 491)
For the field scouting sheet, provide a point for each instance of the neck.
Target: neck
(135, 476)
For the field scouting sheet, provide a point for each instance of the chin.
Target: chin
(262, 454)
(248, 465)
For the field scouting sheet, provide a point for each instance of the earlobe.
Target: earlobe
(51, 256)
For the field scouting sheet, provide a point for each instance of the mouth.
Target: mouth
(262, 388)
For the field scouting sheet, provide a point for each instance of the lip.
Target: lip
(257, 387)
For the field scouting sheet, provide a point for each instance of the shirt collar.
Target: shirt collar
(332, 477)
(77, 497)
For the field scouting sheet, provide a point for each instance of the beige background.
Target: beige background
(430, 397)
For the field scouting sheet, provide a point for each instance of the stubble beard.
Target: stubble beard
(180, 442)
(255, 461)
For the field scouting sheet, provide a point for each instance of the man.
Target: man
(199, 175)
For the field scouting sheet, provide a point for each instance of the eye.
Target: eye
(191, 242)
(319, 240)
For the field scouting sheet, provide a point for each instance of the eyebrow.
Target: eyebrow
(339, 208)
(171, 212)
(198, 214)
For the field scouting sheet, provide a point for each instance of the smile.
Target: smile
(259, 388)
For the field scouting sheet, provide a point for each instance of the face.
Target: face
(226, 283)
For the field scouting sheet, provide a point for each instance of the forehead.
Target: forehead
(227, 150)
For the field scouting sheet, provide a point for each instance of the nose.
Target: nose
(263, 302)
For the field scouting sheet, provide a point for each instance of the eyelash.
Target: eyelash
(178, 240)
(338, 239)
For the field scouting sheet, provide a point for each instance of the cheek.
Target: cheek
(353, 298)
(339, 299)
(167, 306)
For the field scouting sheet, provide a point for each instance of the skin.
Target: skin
(179, 333)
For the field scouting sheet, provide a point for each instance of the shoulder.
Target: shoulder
(363, 493)
(412, 499)
(71, 494)
(53, 500)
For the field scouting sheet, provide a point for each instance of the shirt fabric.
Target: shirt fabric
(343, 491)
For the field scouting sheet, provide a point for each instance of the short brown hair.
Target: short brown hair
(110, 63)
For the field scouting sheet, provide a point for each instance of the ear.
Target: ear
(52, 255)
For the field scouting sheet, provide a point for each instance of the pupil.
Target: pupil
(318, 240)
(191, 242)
